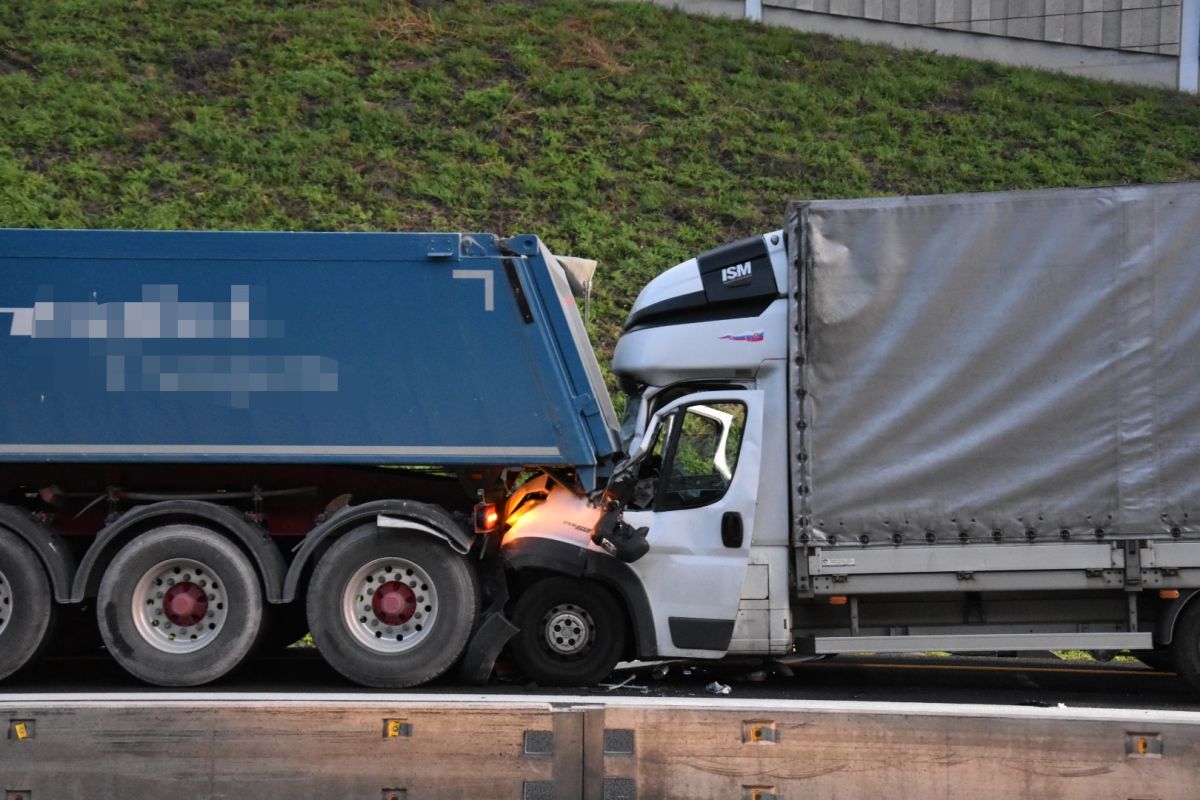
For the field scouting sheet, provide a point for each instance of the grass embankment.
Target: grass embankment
(626, 132)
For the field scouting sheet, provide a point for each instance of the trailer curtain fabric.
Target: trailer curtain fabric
(1012, 365)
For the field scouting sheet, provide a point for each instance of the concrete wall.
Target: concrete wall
(1147, 26)
(1129, 41)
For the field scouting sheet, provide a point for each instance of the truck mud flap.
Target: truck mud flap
(489, 639)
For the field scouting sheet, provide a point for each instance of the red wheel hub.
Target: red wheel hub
(394, 603)
(185, 604)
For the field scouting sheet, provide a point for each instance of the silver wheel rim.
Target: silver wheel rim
(569, 629)
(390, 605)
(158, 614)
(6, 602)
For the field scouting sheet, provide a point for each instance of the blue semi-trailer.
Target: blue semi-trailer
(176, 405)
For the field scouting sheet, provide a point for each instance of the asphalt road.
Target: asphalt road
(974, 680)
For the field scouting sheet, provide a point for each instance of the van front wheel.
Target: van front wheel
(572, 632)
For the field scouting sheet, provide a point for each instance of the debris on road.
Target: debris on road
(625, 684)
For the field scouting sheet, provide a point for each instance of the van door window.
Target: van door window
(703, 443)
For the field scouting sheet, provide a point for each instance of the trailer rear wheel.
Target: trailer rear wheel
(391, 610)
(26, 604)
(572, 632)
(1185, 645)
(179, 606)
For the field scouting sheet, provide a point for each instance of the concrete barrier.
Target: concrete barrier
(410, 747)
(967, 39)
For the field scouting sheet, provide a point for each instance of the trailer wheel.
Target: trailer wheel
(1185, 645)
(572, 632)
(391, 611)
(26, 604)
(179, 606)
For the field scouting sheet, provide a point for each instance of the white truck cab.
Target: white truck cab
(702, 359)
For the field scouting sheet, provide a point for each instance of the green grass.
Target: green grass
(1123, 656)
(623, 132)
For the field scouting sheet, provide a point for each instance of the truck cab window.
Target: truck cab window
(701, 455)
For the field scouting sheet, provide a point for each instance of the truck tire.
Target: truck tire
(572, 632)
(179, 606)
(1185, 645)
(391, 610)
(26, 605)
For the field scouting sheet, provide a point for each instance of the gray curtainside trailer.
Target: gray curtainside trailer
(996, 395)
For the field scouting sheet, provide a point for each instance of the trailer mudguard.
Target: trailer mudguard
(50, 548)
(1164, 630)
(568, 559)
(423, 516)
(254, 540)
